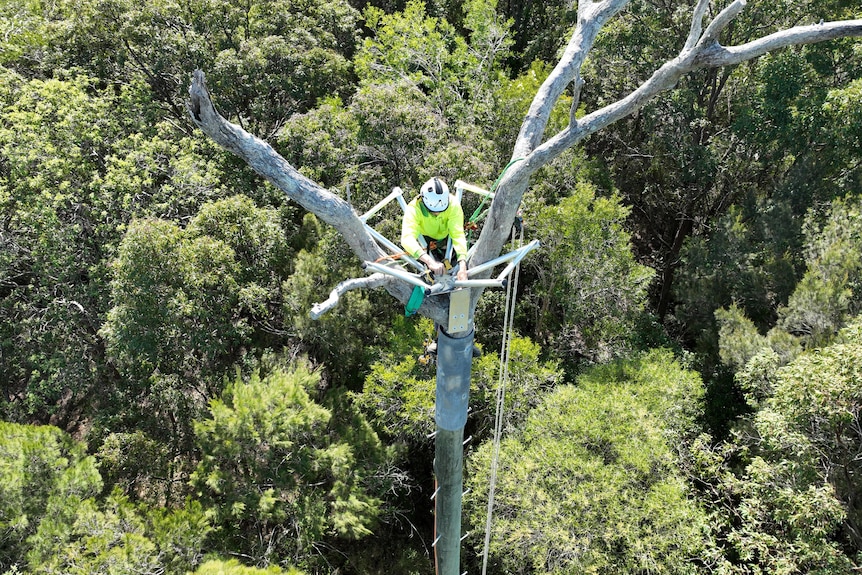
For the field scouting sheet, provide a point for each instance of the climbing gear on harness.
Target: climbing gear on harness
(472, 224)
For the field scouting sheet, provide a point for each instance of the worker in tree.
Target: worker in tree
(431, 219)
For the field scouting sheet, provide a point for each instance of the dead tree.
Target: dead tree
(700, 50)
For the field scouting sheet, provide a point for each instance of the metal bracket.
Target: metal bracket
(459, 311)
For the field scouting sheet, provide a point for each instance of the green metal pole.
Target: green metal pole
(454, 360)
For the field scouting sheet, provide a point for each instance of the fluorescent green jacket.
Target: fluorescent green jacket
(418, 222)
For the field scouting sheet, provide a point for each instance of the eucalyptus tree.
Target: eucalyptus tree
(700, 48)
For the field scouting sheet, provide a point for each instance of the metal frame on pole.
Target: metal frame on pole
(454, 362)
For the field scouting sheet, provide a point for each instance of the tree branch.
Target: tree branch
(721, 22)
(372, 281)
(716, 56)
(333, 210)
(696, 24)
(700, 51)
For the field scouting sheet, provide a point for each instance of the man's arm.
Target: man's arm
(410, 233)
(410, 241)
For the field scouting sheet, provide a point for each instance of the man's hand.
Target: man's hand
(462, 271)
(437, 268)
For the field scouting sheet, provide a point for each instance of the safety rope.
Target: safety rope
(392, 257)
(505, 348)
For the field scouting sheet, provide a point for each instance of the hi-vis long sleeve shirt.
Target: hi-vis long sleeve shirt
(418, 221)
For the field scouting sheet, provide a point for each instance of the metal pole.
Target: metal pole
(454, 360)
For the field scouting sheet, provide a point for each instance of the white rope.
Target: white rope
(511, 291)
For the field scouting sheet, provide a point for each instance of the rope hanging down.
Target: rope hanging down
(505, 348)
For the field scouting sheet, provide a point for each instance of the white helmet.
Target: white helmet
(435, 195)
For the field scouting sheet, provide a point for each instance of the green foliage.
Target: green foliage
(187, 302)
(87, 538)
(790, 478)
(591, 482)
(52, 139)
(277, 475)
(234, 567)
(136, 464)
(429, 53)
(830, 291)
(589, 290)
(399, 391)
(41, 468)
(538, 29)
(23, 29)
(160, 175)
(529, 377)
(74, 174)
(436, 86)
(773, 517)
(791, 157)
(345, 338)
(318, 142)
(172, 289)
(266, 59)
(842, 110)
(51, 520)
(818, 397)
(511, 101)
(738, 337)
(396, 137)
(734, 266)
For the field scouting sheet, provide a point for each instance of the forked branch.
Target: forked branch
(701, 50)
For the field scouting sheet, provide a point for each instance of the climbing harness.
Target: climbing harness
(505, 348)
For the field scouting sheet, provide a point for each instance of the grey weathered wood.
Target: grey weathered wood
(330, 208)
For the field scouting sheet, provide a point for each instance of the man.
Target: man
(435, 216)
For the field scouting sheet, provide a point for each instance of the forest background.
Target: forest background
(686, 377)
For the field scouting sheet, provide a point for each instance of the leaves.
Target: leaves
(590, 290)
(275, 472)
(590, 481)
